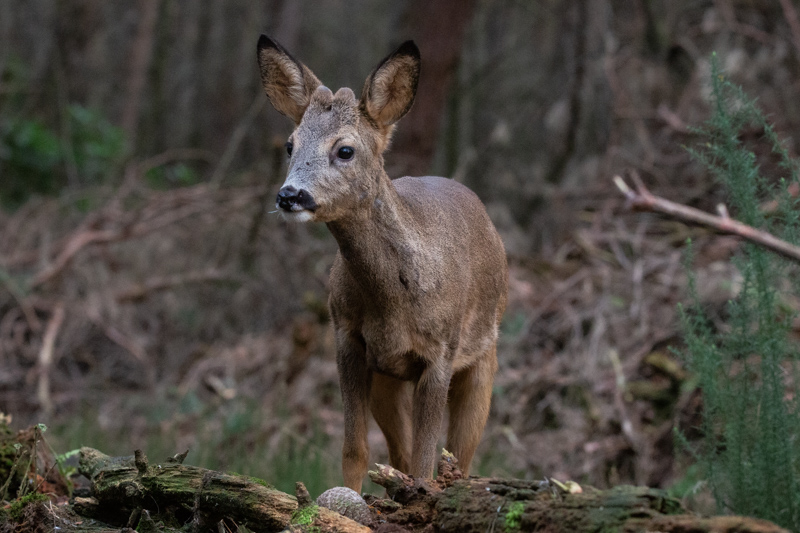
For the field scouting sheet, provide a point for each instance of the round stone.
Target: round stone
(346, 502)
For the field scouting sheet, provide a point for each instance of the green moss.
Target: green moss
(260, 482)
(15, 511)
(513, 518)
(456, 495)
(305, 516)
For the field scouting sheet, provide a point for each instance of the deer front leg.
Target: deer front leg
(469, 401)
(354, 380)
(430, 398)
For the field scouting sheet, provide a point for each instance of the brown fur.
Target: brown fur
(420, 282)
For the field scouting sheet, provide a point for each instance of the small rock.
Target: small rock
(346, 502)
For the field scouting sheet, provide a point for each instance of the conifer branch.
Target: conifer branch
(641, 199)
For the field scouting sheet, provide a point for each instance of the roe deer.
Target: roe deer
(420, 282)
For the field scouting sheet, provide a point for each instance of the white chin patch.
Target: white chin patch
(298, 216)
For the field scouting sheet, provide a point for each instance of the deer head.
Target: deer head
(336, 150)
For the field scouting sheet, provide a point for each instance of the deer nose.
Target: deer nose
(289, 197)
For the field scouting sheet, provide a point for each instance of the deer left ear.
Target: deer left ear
(288, 83)
(389, 91)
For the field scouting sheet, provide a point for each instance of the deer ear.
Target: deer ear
(288, 83)
(389, 91)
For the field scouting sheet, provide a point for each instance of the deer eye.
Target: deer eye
(289, 147)
(345, 152)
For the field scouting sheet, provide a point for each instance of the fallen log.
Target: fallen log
(130, 492)
(453, 504)
(124, 487)
(205, 498)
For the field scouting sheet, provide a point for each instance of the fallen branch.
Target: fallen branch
(641, 199)
(46, 358)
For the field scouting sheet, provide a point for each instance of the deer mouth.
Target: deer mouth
(295, 201)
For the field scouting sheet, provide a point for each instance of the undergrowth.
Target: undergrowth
(747, 365)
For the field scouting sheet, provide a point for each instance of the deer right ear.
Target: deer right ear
(288, 83)
(389, 91)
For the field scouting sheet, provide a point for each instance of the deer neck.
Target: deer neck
(377, 242)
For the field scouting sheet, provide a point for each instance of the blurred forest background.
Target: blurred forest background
(150, 297)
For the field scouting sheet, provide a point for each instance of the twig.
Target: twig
(641, 199)
(46, 358)
(637, 443)
(619, 399)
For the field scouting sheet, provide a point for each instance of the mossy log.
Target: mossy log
(128, 491)
(486, 504)
(508, 505)
(176, 494)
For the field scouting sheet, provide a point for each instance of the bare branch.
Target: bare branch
(641, 199)
(46, 358)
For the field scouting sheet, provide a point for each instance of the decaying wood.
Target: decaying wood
(133, 492)
(487, 504)
(123, 486)
(130, 484)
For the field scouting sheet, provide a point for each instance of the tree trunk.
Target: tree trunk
(141, 54)
(438, 27)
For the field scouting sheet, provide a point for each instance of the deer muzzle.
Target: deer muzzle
(290, 199)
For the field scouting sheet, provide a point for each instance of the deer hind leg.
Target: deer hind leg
(469, 400)
(390, 403)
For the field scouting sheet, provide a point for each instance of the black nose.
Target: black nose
(287, 197)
